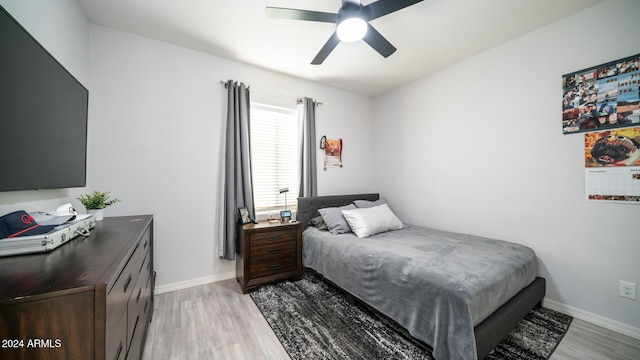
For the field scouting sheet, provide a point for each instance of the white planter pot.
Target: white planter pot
(98, 214)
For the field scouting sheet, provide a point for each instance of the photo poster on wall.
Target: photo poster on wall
(602, 97)
(612, 165)
(332, 153)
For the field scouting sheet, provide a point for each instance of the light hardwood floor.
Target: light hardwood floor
(215, 321)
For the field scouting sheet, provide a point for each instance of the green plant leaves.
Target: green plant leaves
(97, 200)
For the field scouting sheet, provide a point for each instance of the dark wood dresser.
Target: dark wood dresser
(91, 298)
(268, 252)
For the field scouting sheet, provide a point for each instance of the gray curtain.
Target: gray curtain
(236, 188)
(308, 169)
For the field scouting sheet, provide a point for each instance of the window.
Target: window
(274, 156)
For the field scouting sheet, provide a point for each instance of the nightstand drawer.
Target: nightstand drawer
(273, 251)
(269, 267)
(266, 238)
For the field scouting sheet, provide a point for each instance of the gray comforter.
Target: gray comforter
(436, 284)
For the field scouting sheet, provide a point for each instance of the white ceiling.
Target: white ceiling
(429, 36)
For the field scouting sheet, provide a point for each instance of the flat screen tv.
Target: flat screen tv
(43, 115)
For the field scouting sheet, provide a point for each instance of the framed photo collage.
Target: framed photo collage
(604, 103)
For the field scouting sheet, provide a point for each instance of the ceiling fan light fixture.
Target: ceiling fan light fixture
(351, 21)
(352, 29)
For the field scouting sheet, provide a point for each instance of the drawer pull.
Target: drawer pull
(274, 251)
(127, 283)
(273, 237)
(273, 266)
(146, 305)
(138, 297)
(118, 352)
(145, 244)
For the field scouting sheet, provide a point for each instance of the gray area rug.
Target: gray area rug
(314, 320)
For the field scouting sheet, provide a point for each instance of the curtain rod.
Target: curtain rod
(318, 103)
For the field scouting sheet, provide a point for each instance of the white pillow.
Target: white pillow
(370, 221)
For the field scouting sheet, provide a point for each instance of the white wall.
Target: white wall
(61, 27)
(154, 141)
(477, 148)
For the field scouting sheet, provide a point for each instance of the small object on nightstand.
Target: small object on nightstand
(285, 215)
(268, 252)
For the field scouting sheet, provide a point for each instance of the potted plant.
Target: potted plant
(96, 202)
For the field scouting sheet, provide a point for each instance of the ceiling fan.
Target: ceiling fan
(352, 23)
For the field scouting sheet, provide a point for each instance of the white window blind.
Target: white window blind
(274, 156)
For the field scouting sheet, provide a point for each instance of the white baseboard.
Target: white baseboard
(193, 282)
(602, 321)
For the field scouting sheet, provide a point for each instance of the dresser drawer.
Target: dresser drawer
(126, 290)
(145, 270)
(135, 306)
(135, 351)
(270, 267)
(273, 251)
(139, 309)
(266, 238)
(142, 252)
(117, 344)
(140, 288)
(121, 291)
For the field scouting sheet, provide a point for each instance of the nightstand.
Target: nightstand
(268, 252)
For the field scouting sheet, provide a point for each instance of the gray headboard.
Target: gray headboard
(308, 206)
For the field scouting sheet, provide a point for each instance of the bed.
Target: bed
(460, 294)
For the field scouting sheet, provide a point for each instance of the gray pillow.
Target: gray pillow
(318, 223)
(335, 220)
(368, 204)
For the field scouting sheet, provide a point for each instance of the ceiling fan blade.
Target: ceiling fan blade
(384, 7)
(296, 14)
(378, 42)
(326, 49)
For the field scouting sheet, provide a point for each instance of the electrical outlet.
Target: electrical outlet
(627, 289)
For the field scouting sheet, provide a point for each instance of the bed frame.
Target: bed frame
(488, 333)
